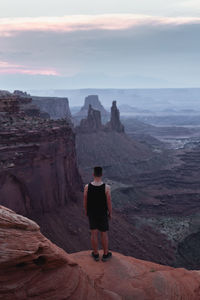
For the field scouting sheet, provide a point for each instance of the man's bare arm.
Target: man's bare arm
(85, 199)
(109, 203)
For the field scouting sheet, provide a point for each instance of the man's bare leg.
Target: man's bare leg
(94, 240)
(104, 241)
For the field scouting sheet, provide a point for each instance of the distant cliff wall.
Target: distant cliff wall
(56, 107)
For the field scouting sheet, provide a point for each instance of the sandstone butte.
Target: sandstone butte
(31, 267)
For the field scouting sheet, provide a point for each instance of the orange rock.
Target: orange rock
(31, 267)
(140, 280)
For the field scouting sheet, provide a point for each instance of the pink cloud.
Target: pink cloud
(9, 26)
(11, 68)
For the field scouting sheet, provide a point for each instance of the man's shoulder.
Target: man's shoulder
(86, 186)
(107, 187)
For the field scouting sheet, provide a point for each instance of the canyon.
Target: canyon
(155, 190)
(155, 187)
(121, 156)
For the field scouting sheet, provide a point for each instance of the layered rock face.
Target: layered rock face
(27, 106)
(10, 103)
(38, 169)
(31, 267)
(39, 176)
(92, 100)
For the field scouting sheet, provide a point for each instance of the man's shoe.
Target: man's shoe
(95, 256)
(106, 257)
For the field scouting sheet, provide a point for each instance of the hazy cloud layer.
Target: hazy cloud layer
(30, 8)
(12, 26)
(99, 51)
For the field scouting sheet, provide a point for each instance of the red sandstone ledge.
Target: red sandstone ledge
(31, 267)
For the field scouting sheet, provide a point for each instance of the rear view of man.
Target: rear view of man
(98, 207)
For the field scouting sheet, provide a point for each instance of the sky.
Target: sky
(60, 44)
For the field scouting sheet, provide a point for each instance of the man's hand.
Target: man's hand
(110, 216)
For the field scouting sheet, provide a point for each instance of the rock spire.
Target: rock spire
(93, 121)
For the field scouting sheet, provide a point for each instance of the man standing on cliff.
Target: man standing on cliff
(98, 208)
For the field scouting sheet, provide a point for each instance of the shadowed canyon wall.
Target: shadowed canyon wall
(38, 163)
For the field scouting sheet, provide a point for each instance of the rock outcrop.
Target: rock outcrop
(92, 123)
(11, 103)
(131, 278)
(92, 100)
(115, 123)
(31, 267)
(38, 170)
(39, 177)
(25, 104)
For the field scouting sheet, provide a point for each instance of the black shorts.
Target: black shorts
(100, 223)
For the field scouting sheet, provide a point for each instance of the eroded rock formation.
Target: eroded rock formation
(38, 170)
(115, 123)
(11, 103)
(92, 100)
(31, 267)
(39, 177)
(131, 278)
(92, 123)
(109, 146)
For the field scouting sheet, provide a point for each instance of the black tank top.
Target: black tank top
(96, 200)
